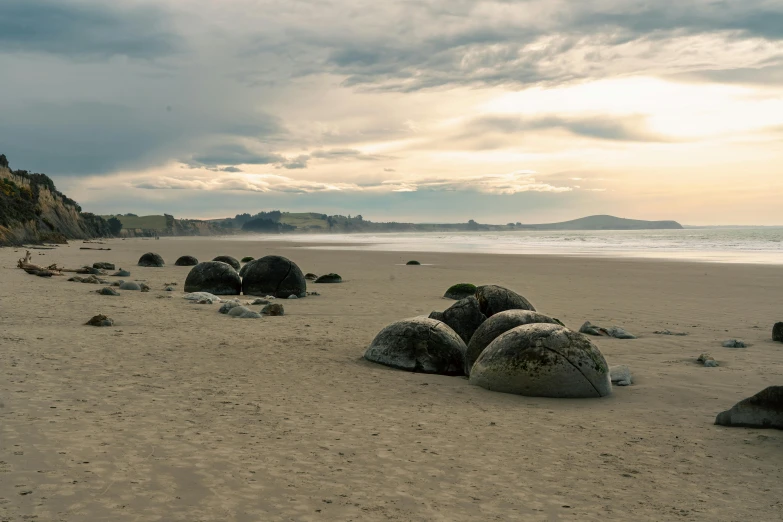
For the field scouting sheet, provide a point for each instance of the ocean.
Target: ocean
(720, 245)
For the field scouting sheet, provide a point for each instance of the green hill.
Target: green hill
(604, 222)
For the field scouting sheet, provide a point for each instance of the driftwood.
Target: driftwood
(88, 248)
(28, 266)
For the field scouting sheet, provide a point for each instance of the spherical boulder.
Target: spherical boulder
(464, 317)
(413, 262)
(328, 278)
(186, 261)
(543, 360)
(460, 291)
(273, 275)
(498, 324)
(247, 259)
(777, 332)
(420, 345)
(245, 268)
(151, 259)
(493, 299)
(229, 261)
(215, 277)
(130, 285)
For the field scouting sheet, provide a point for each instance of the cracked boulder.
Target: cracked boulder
(498, 324)
(215, 277)
(543, 360)
(229, 261)
(763, 410)
(273, 275)
(186, 261)
(420, 345)
(494, 299)
(151, 259)
(464, 317)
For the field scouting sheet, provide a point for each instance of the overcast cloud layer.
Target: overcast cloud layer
(442, 110)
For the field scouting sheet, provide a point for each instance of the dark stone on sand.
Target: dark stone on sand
(247, 259)
(215, 277)
(229, 261)
(763, 410)
(413, 262)
(151, 259)
(250, 314)
(100, 320)
(108, 291)
(227, 306)
(777, 332)
(104, 266)
(186, 261)
(273, 275)
(245, 268)
(464, 317)
(329, 278)
(130, 285)
(460, 291)
(599, 331)
(498, 324)
(420, 345)
(121, 273)
(273, 309)
(311, 276)
(237, 311)
(543, 360)
(494, 299)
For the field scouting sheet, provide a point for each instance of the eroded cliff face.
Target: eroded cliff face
(33, 211)
(176, 227)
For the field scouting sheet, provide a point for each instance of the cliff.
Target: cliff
(166, 225)
(32, 210)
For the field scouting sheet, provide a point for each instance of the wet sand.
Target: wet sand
(179, 413)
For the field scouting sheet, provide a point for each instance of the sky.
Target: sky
(426, 110)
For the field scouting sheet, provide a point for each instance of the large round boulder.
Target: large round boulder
(464, 317)
(777, 332)
(186, 261)
(493, 299)
(498, 324)
(245, 268)
(543, 360)
(229, 261)
(214, 277)
(763, 410)
(151, 259)
(419, 345)
(273, 275)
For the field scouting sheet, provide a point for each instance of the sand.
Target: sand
(179, 413)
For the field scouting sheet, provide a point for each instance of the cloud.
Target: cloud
(86, 30)
(499, 184)
(233, 154)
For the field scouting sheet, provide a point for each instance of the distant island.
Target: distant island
(604, 222)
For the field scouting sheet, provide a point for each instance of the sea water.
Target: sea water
(762, 245)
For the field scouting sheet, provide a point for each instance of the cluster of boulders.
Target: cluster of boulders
(501, 343)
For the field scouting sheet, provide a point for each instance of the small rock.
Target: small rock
(777, 332)
(313, 293)
(310, 276)
(273, 309)
(104, 266)
(250, 315)
(121, 273)
(118, 283)
(169, 289)
(130, 285)
(100, 320)
(108, 291)
(621, 375)
(413, 262)
(260, 301)
(615, 331)
(227, 306)
(711, 363)
(75, 279)
(293, 296)
(202, 296)
(237, 311)
(734, 343)
(707, 360)
(329, 278)
(144, 287)
(667, 332)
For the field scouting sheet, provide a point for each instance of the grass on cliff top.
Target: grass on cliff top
(303, 220)
(146, 222)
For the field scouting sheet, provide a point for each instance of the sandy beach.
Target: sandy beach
(179, 413)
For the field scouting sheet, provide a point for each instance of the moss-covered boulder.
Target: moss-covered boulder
(460, 291)
(186, 261)
(229, 261)
(151, 259)
(497, 325)
(215, 277)
(247, 259)
(419, 345)
(494, 299)
(543, 360)
(274, 275)
(329, 278)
